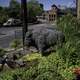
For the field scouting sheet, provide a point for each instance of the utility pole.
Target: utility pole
(24, 19)
(78, 8)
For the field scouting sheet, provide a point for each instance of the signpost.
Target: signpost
(24, 18)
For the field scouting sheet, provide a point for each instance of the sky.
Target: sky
(47, 3)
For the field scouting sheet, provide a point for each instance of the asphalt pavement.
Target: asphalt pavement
(8, 34)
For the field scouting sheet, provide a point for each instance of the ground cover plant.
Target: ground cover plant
(59, 65)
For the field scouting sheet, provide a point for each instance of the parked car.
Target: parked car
(13, 22)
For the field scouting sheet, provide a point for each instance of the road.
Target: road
(8, 34)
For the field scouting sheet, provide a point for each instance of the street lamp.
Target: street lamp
(24, 19)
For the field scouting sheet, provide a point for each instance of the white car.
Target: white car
(12, 22)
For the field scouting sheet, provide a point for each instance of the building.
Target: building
(55, 12)
(51, 15)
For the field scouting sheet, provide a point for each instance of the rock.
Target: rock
(1, 60)
(33, 49)
(21, 63)
(12, 64)
(14, 55)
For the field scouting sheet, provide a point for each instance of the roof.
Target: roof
(54, 6)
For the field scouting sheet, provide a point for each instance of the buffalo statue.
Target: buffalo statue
(43, 38)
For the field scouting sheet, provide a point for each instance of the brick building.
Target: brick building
(55, 12)
(51, 15)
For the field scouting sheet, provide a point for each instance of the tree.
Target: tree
(1, 8)
(3, 15)
(41, 5)
(14, 9)
(34, 8)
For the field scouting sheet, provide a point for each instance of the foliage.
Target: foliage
(70, 26)
(69, 53)
(3, 18)
(3, 15)
(2, 52)
(11, 74)
(48, 68)
(31, 57)
(14, 9)
(16, 44)
(71, 48)
(34, 8)
(42, 71)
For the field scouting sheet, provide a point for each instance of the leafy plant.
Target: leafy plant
(69, 25)
(31, 57)
(2, 52)
(71, 49)
(15, 44)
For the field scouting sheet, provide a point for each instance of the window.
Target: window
(54, 17)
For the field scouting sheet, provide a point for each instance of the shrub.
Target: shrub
(42, 71)
(12, 74)
(49, 68)
(69, 25)
(2, 52)
(3, 18)
(16, 44)
(31, 57)
(71, 49)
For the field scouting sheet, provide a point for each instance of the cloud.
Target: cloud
(71, 4)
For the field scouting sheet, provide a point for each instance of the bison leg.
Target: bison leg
(40, 44)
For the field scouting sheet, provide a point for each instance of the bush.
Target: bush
(12, 74)
(71, 49)
(2, 52)
(45, 70)
(31, 57)
(16, 44)
(49, 68)
(70, 26)
(3, 18)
